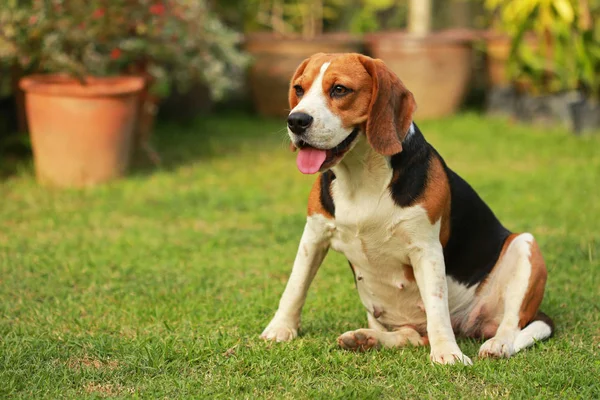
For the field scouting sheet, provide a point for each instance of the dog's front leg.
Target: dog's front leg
(311, 252)
(430, 274)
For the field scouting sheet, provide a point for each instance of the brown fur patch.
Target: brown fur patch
(507, 243)
(348, 71)
(305, 74)
(535, 290)
(391, 108)
(436, 198)
(314, 200)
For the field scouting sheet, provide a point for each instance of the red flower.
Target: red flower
(99, 13)
(115, 54)
(157, 9)
(33, 19)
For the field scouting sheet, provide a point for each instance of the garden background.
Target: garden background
(145, 259)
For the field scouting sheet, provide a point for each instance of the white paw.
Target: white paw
(449, 354)
(279, 332)
(497, 348)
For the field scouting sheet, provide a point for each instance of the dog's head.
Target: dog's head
(334, 98)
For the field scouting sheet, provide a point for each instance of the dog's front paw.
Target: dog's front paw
(279, 332)
(449, 354)
(497, 348)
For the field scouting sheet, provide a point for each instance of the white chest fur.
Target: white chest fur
(378, 237)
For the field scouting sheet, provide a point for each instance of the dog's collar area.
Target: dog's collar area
(344, 144)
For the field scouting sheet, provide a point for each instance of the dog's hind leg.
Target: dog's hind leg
(519, 280)
(365, 339)
(540, 328)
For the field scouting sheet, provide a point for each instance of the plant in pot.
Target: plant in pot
(435, 65)
(289, 32)
(186, 55)
(104, 66)
(80, 126)
(553, 61)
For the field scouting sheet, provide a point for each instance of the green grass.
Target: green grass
(159, 285)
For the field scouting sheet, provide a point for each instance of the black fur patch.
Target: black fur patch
(410, 169)
(476, 235)
(326, 199)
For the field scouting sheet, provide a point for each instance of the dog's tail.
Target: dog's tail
(540, 328)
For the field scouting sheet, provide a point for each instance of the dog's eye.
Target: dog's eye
(299, 90)
(339, 91)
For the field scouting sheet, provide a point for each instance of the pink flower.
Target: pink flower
(33, 19)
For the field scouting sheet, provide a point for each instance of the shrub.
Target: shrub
(564, 52)
(176, 42)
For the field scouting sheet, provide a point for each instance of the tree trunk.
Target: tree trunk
(419, 17)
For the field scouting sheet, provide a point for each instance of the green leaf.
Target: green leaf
(565, 10)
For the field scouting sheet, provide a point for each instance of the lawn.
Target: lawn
(160, 284)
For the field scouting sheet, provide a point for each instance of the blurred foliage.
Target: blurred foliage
(294, 17)
(288, 17)
(372, 13)
(555, 44)
(310, 18)
(176, 42)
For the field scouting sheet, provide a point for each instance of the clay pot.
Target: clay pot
(81, 134)
(436, 68)
(276, 59)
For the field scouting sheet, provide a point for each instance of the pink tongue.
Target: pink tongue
(310, 160)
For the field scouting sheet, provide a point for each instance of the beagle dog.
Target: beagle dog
(429, 257)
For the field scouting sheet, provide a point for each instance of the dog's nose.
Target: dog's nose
(299, 122)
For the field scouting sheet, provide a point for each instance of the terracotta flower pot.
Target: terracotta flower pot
(276, 59)
(436, 68)
(81, 134)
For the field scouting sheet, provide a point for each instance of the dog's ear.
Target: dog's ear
(390, 111)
